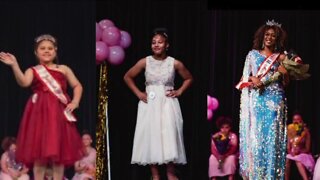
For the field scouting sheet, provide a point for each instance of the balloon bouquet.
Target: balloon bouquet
(110, 42)
(110, 45)
(212, 105)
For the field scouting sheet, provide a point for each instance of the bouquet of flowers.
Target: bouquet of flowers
(296, 134)
(12, 161)
(222, 144)
(91, 170)
(295, 67)
(295, 129)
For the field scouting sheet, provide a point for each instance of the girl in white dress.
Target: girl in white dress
(316, 173)
(158, 136)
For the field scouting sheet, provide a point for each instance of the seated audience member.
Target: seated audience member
(298, 147)
(10, 168)
(86, 167)
(224, 144)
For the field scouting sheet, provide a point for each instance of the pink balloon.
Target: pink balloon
(209, 114)
(111, 36)
(105, 23)
(102, 52)
(116, 55)
(215, 103)
(125, 39)
(98, 32)
(209, 102)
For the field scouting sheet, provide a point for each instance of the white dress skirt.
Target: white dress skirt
(316, 173)
(158, 135)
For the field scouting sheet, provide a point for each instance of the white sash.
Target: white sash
(55, 88)
(262, 71)
(266, 65)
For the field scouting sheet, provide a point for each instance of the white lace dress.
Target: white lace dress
(158, 136)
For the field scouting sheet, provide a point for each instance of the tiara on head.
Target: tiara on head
(162, 31)
(273, 23)
(165, 34)
(45, 37)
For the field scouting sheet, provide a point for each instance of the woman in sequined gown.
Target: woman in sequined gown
(158, 135)
(263, 109)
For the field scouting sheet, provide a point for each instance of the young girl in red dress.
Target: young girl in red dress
(47, 134)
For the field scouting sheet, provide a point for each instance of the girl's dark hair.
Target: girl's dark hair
(281, 37)
(161, 31)
(7, 142)
(222, 120)
(85, 132)
(297, 112)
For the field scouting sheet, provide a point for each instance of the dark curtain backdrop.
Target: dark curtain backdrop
(232, 35)
(72, 23)
(187, 24)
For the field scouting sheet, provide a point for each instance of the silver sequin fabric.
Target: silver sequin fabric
(262, 131)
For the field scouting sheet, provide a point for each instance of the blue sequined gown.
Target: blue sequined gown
(263, 116)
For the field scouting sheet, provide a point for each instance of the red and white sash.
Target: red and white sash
(54, 87)
(262, 71)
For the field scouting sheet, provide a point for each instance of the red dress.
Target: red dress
(45, 135)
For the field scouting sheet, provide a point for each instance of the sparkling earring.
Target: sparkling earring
(262, 47)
